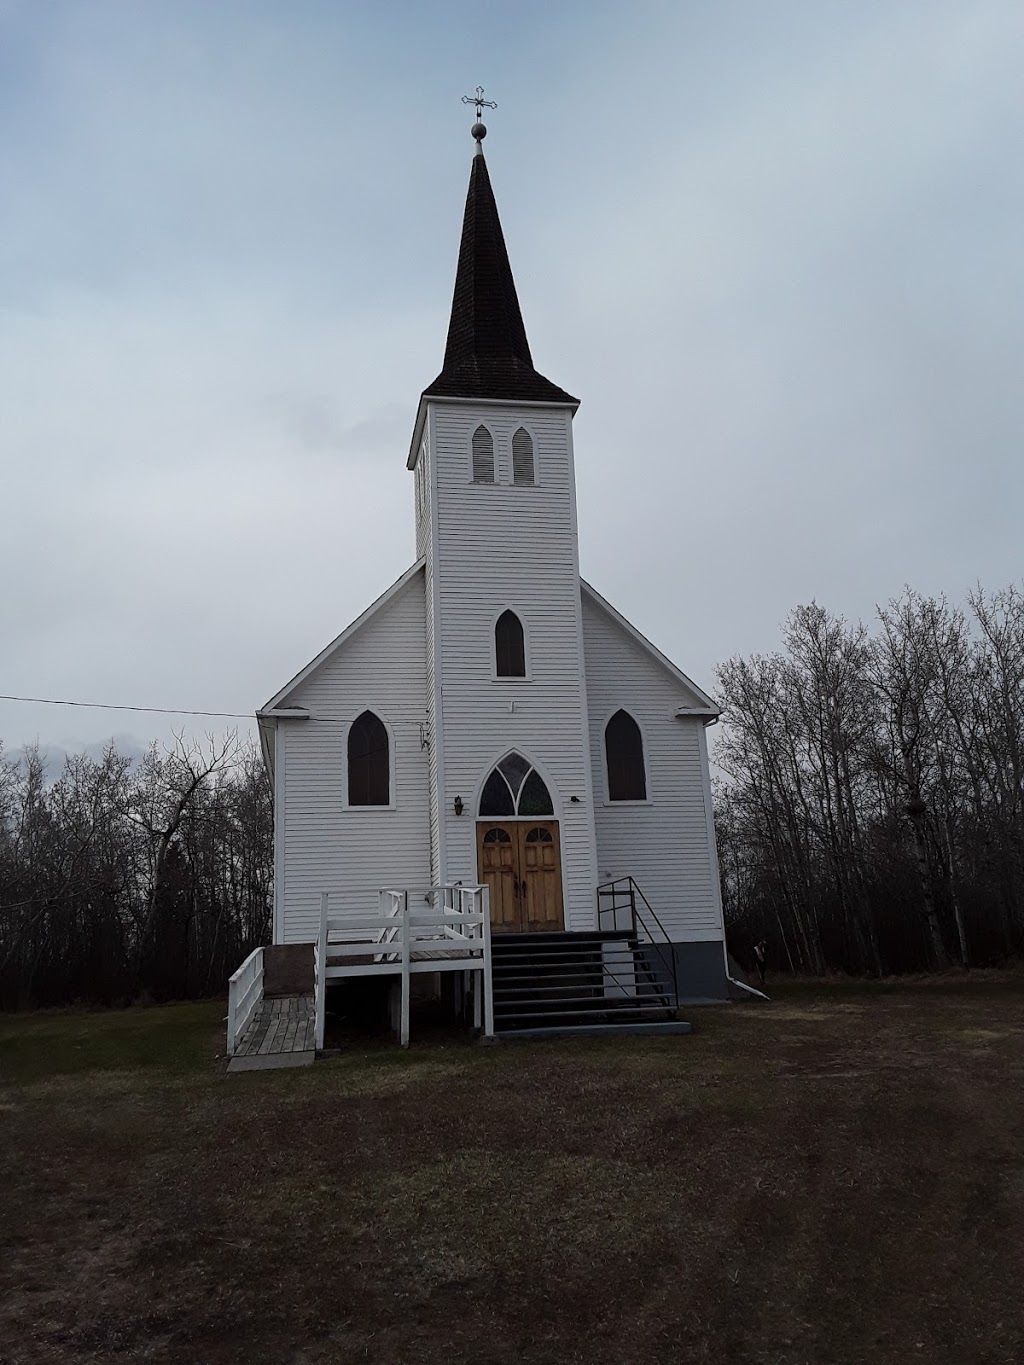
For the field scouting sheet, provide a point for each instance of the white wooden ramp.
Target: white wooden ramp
(281, 1032)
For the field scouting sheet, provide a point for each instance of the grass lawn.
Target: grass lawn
(835, 1176)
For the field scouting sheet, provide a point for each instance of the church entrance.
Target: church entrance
(521, 863)
(519, 854)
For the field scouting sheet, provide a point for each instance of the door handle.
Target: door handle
(523, 884)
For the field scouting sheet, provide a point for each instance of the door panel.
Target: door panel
(498, 863)
(540, 877)
(521, 863)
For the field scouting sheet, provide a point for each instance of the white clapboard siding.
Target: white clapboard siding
(351, 853)
(426, 515)
(663, 843)
(497, 546)
(431, 730)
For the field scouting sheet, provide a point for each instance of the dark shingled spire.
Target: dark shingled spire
(487, 355)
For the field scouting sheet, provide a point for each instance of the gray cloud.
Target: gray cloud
(774, 249)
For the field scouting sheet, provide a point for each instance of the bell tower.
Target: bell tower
(495, 497)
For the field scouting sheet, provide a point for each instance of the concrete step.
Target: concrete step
(594, 1030)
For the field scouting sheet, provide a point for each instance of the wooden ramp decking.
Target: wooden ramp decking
(282, 1033)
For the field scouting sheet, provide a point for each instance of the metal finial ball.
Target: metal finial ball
(479, 131)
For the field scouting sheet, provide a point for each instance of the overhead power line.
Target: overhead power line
(153, 710)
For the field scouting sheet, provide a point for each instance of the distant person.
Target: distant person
(760, 949)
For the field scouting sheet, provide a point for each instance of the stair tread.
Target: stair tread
(592, 1001)
(560, 936)
(570, 1010)
(561, 949)
(529, 960)
(519, 991)
(555, 953)
(582, 973)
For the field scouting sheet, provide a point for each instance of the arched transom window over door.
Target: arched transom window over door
(369, 762)
(483, 456)
(515, 788)
(522, 457)
(509, 646)
(624, 754)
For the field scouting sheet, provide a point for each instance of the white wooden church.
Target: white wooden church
(491, 719)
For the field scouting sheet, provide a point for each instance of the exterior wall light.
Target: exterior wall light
(459, 807)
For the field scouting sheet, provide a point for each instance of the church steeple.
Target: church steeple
(488, 355)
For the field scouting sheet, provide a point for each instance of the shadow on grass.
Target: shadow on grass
(177, 1038)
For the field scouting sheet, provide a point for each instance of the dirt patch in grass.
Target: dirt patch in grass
(835, 1177)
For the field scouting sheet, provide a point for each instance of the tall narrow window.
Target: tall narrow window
(509, 646)
(483, 456)
(522, 457)
(369, 762)
(624, 751)
(421, 480)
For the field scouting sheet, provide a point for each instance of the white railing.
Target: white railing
(319, 983)
(245, 991)
(452, 933)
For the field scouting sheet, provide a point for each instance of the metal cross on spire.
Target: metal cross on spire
(479, 101)
(478, 130)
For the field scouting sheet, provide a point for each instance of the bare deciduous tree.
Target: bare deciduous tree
(872, 799)
(118, 878)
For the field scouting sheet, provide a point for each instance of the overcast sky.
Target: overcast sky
(775, 248)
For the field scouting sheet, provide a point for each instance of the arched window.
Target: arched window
(624, 751)
(483, 456)
(369, 762)
(421, 480)
(522, 457)
(497, 836)
(509, 646)
(515, 788)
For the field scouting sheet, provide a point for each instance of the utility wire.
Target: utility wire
(175, 711)
(108, 706)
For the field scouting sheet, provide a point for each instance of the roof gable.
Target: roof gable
(705, 705)
(280, 698)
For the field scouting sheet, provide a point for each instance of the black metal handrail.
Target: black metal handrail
(623, 892)
(616, 980)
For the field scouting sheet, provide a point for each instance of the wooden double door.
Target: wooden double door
(521, 862)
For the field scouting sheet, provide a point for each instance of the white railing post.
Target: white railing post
(404, 1034)
(468, 905)
(232, 1010)
(320, 975)
(485, 901)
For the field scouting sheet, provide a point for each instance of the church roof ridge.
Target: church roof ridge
(487, 354)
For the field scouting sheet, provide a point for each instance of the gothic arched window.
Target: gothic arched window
(483, 456)
(515, 788)
(369, 762)
(624, 752)
(522, 457)
(509, 646)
